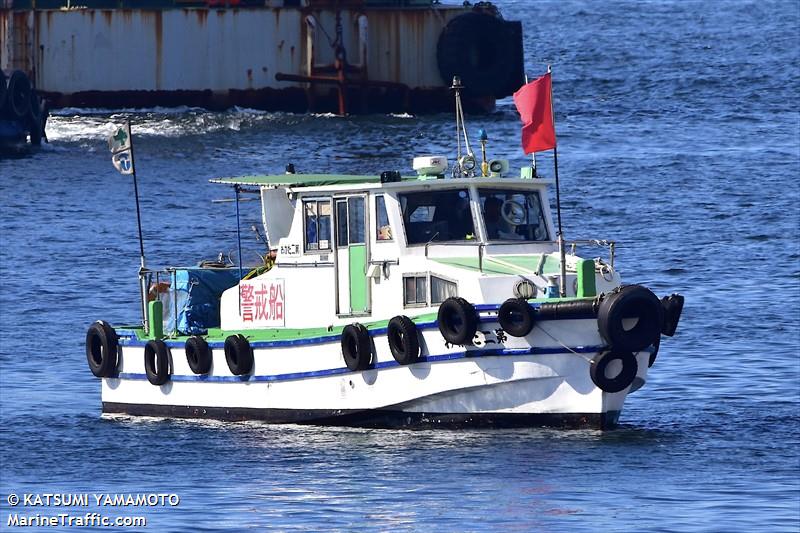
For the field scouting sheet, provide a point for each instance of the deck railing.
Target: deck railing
(572, 245)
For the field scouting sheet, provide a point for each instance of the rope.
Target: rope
(584, 357)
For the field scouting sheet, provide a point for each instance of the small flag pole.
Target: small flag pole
(533, 154)
(142, 268)
(561, 246)
(136, 194)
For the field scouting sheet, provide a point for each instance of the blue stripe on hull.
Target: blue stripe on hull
(385, 364)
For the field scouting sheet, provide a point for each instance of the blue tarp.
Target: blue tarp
(198, 292)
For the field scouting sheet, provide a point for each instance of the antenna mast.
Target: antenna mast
(465, 166)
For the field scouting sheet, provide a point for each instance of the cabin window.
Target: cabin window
(442, 289)
(383, 230)
(317, 221)
(355, 220)
(341, 223)
(434, 216)
(415, 290)
(512, 215)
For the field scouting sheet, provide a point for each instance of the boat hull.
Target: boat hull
(542, 379)
(379, 418)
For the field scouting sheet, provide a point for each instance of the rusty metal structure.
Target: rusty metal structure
(345, 56)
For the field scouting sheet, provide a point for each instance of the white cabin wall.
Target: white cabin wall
(277, 213)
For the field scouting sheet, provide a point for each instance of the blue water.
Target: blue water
(679, 136)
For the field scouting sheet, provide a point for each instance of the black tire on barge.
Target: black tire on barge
(35, 122)
(3, 91)
(156, 362)
(101, 349)
(18, 95)
(484, 51)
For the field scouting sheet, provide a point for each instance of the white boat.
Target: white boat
(392, 301)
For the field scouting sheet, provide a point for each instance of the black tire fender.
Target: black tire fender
(238, 354)
(673, 307)
(102, 347)
(403, 340)
(599, 365)
(516, 317)
(356, 347)
(630, 302)
(457, 320)
(198, 355)
(157, 362)
(656, 346)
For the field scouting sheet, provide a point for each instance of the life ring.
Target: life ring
(673, 307)
(516, 317)
(457, 320)
(356, 347)
(101, 349)
(198, 355)
(403, 340)
(484, 51)
(239, 355)
(630, 318)
(599, 366)
(156, 362)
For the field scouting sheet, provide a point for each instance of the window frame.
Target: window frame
(416, 276)
(377, 220)
(461, 188)
(317, 200)
(493, 190)
(430, 286)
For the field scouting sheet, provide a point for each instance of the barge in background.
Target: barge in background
(345, 56)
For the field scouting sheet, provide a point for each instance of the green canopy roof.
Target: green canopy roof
(303, 180)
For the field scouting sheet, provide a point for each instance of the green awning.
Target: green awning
(302, 180)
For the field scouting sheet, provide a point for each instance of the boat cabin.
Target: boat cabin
(371, 246)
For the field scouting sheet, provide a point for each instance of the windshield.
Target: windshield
(433, 216)
(513, 215)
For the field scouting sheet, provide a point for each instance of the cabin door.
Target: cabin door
(351, 255)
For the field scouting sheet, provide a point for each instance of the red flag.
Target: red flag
(534, 102)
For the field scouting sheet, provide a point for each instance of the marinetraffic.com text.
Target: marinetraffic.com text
(27, 508)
